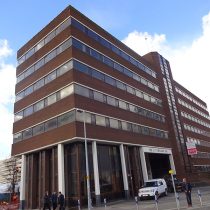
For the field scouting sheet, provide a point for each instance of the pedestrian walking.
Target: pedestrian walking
(61, 201)
(46, 201)
(187, 188)
(54, 199)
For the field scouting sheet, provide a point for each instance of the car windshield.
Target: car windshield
(151, 184)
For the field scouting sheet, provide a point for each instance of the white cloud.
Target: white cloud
(190, 64)
(7, 89)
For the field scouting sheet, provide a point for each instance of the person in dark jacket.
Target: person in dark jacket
(61, 201)
(54, 199)
(187, 188)
(46, 201)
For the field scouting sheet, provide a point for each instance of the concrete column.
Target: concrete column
(143, 164)
(22, 183)
(124, 171)
(171, 159)
(96, 174)
(61, 178)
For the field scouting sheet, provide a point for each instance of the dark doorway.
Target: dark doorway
(160, 164)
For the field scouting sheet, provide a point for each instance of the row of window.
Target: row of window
(195, 119)
(111, 63)
(37, 65)
(44, 102)
(87, 93)
(196, 130)
(203, 168)
(110, 100)
(199, 142)
(45, 80)
(45, 40)
(181, 92)
(183, 103)
(201, 155)
(114, 82)
(90, 118)
(112, 47)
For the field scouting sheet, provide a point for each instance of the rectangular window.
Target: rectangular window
(97, 75)
(120, 85)
(66, 91)
(109, 62)
(17, 137)
(49, 37)
(63, 26)
(81, 91)
(50, 77)
(111, 101)
(28, 111)
(50, 56)
(80, 117)
(66, 67)
(100, 120)
(143, 81)
(81, 67)
(39, 84)
(130, 90)
(18, 116)
(39, 45)
(132, 108)
(19, 96)
(136, 77)
(64, 46)
(135, 128)
(77, 44)
(139, 94)
(29, 90)
(27, 133)
(145, 130)
(38, 129)
(113, 123)
(66, 118)
(29, 53)
(122, 105)
(98, 96)
(128, 73)
(110, 80)
(29, 71)
(51, 99)
(38, 106)
(147, 97)
(39, 64)
(118, 67)
(51, 124)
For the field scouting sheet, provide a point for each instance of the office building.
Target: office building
(77, 83)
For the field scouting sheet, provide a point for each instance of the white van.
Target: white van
(153, 187)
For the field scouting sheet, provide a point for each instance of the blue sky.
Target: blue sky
(178, 29)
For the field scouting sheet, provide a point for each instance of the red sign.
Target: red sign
(191, 148)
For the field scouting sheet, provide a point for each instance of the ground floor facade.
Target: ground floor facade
(115, 171)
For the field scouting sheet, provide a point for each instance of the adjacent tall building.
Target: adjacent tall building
(76, 82)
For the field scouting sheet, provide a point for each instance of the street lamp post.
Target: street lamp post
(86, 159)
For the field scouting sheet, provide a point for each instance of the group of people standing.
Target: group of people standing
(54, 200)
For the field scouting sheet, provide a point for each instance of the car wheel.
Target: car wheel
(166, 192)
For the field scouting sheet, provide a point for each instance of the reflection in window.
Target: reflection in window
(66, 91)
(51, 124)
(38, 106)
(66, 118)
(51, 99)
(38, 129)
(100, 120)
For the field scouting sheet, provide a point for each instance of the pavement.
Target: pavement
(164, 203)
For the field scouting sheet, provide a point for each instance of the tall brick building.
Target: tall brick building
(74, 78)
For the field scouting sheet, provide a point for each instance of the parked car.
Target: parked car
(153, 187)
